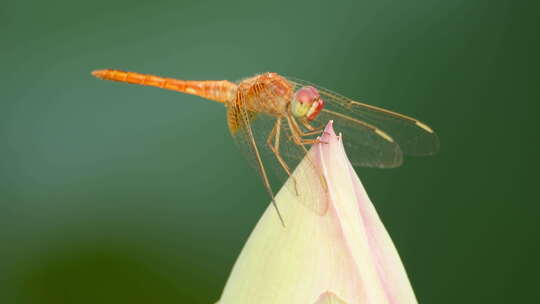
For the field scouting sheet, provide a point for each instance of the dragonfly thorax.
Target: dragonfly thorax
(268, 93)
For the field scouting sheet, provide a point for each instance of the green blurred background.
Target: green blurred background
(112, 193)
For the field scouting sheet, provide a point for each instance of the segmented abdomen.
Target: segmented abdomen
(216, 90)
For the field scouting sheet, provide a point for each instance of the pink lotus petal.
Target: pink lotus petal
(342, 256)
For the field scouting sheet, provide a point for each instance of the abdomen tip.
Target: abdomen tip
(99, 73)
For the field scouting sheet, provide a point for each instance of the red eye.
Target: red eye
(307, 95)
(307, 103)
(315, 109)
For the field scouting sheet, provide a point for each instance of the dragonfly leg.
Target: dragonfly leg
(300, 133)
(314, 130)
(296, 133)
(308, 126)
(297, 138)
(311, 141)
(276, 131)
(237, 112)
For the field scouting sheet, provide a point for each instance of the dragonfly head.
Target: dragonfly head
(307, 103)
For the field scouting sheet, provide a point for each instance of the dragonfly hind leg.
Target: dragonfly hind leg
(275, 136)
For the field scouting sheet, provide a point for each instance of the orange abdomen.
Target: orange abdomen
(216, 90)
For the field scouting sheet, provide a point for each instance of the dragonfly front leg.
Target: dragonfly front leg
(276, 132)
(300, 134)
(296, 134)
(313, 130)
(308, 126)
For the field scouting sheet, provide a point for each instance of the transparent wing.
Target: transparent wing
(366, 145)
(413, 136)
(256, 135)
(239, 119)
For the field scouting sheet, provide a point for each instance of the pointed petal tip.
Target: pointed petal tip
(329, 132)
(330, 127)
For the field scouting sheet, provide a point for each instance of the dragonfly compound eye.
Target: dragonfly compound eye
(307, 103)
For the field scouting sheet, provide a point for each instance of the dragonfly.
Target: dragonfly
(275, 119)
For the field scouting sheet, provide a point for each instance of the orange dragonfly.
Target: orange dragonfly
(274, 119)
